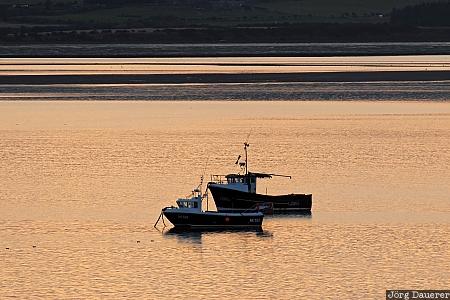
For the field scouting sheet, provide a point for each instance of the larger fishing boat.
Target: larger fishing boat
(237, 192)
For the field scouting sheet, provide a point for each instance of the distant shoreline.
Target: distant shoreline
(226, 78)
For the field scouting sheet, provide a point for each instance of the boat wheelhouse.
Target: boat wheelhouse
(239, 182)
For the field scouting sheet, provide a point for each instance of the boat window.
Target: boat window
(188, 204)
(238, 179)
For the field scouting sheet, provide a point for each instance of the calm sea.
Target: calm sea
(82, 183)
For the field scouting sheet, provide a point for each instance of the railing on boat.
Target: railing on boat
(221, 179)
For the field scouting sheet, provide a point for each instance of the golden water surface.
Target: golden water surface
(82, 183)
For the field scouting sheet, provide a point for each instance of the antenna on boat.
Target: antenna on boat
(246, 145)
(203, 173)
(248, 135)
(201, 183)
(244, 164)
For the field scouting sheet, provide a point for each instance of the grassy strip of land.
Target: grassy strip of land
(218, 21)
(281, 33)
(144, 13)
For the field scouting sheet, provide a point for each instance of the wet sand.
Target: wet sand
(227, 77)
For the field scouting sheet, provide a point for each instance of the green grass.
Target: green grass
(329, 7)
(10, 2)
(177, 16)
(259, 12)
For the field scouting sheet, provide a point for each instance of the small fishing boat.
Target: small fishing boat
(237, 192)
(189, 215)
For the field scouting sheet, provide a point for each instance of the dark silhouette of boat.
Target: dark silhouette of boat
(189, 215)
(237, 192)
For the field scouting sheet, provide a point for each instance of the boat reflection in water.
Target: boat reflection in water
(184, 236)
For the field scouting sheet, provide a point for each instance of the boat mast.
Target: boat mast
(246, 159)
(246, 167)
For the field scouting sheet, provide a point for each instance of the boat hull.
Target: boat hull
(213, 220)
(229, 200)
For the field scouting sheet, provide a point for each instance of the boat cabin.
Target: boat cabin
(193, 203)
(239, 182)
